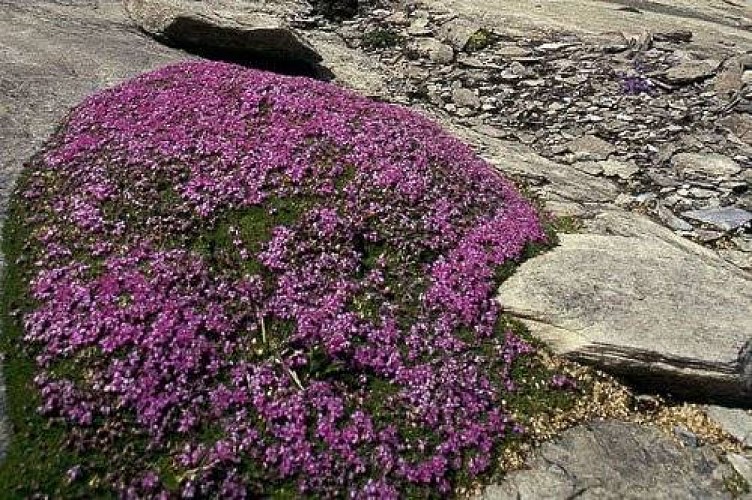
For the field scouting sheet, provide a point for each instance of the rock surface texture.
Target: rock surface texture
(615, 460)
(635, 299)
(258, 28)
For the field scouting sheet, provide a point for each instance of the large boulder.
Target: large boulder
(636, 300)
(246, 28)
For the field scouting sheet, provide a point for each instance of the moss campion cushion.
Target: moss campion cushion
(271, 281)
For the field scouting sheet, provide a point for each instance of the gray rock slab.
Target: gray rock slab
(615, 460)
(726, 218)
(622, 169)
(691, 71)
(636, 300)
(713, 165)
(591, 147)
(735, 421)
(671, 220)
(258, 27)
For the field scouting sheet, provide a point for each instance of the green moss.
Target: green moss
(381, 38)
(479, 40)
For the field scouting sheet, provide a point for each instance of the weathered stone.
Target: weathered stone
(465, 98)
(649, 305)
(714, 165)
(735, 421)
(591, 147)
(726, 218)
(615, 460)
(622, 169)
(691, 71)
(671, 220)
(434, 50)
(458, 33)
(253, 27)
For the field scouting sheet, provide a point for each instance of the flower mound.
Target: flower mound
(279, 285)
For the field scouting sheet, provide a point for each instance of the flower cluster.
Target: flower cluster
(280, 283)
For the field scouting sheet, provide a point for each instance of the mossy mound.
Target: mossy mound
(231, 283)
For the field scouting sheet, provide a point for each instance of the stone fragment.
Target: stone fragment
(511, 52)
(675, 36)
(725, 218)
(591, 147)
(615, 460)
(671, 220)
(458, 33)
(649, 305)
(691, 71)
(433, 49)
(465, 98)
(735, 421)
(712, 164)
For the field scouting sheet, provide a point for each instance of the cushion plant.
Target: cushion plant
(226, 282)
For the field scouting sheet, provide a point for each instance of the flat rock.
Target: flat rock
(458, 32)
(649, 305)
(691, 71)
(465, 98)
(434, 50)
(255, 27)
(671, 220)
(735, 421)
(726, 218)
(622, 169)
(615, 460)
(711, 164)
(591, 147)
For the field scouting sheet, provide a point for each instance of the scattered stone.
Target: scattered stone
(458, 33)
(691, 71)
(435, 50)
(705, 164)
(592, 147)
(735, 421)
(465, 98)
(615, 460)
(674, 36)
(672, 221)
(650, 305)
(726, 218)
